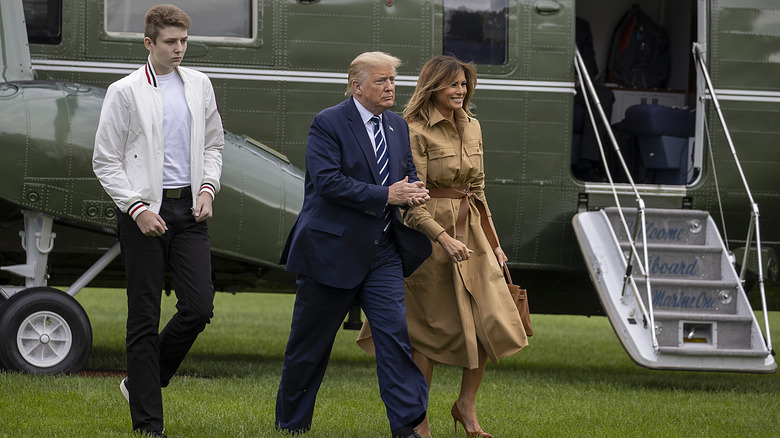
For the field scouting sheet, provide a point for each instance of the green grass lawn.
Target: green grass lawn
(573, 380)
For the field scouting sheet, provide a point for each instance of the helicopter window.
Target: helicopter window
(44, 21)
(225, 18)
(477, 30)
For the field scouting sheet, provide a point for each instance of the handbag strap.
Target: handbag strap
(507, 275)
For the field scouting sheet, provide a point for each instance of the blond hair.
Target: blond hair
(437, 74)
(358, 68)
(161, 16)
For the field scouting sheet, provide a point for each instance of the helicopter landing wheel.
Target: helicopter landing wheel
(44, 331)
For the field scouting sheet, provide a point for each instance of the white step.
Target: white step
(694, 296)
(679, 261)
(731, 352)
(689, 316)
(681, 227)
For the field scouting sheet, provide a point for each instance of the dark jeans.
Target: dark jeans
(152, 358)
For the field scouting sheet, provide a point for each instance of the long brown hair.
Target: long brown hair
(437, 74)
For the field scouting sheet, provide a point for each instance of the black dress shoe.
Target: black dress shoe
(405, 432)
(408, 430)
(152, 433)
(413, 435)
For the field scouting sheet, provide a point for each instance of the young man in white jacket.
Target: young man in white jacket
(158, 154)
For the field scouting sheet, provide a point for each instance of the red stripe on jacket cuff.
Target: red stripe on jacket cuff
(136, 209)
(207, 187)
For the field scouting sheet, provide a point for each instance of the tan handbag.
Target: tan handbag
(520, 298)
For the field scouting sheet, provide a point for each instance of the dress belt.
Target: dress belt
(463, 193)
(183, 192)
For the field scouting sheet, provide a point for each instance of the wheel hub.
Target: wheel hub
(44, 339)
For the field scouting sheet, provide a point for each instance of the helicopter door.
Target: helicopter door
(639, 59)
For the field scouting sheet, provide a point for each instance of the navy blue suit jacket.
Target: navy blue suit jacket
(335, 237)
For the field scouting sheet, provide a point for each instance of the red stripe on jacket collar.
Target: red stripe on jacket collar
(151, 77)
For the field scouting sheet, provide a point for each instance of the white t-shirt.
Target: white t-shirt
(177, 123)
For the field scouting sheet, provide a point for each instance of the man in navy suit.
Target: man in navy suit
(349, 243)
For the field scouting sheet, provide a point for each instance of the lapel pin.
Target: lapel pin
(391, 128)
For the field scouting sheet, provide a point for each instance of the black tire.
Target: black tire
(57, 320)
(2, 300)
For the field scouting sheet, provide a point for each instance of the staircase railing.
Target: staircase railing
(753, 227)
(641, 223)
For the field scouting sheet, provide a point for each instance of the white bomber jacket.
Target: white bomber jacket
(128, 155)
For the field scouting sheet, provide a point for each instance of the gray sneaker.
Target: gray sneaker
(123, 388)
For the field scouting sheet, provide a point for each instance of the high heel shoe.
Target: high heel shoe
(457, 417)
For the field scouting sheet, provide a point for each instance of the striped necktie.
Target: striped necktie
(380, 147)
(381, 151)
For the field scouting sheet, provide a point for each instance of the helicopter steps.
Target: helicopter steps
(703, 320)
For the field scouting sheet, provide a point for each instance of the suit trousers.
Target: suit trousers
(318, 314)
(152, 357)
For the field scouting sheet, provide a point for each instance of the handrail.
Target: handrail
(644, 267)
(753, 226)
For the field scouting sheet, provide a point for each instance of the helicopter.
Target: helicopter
(570, 236)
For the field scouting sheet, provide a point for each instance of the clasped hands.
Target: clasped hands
(405, 193)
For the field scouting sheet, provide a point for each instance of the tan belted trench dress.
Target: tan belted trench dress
(451, 308)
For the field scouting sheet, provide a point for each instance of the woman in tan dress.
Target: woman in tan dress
(458, 308)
